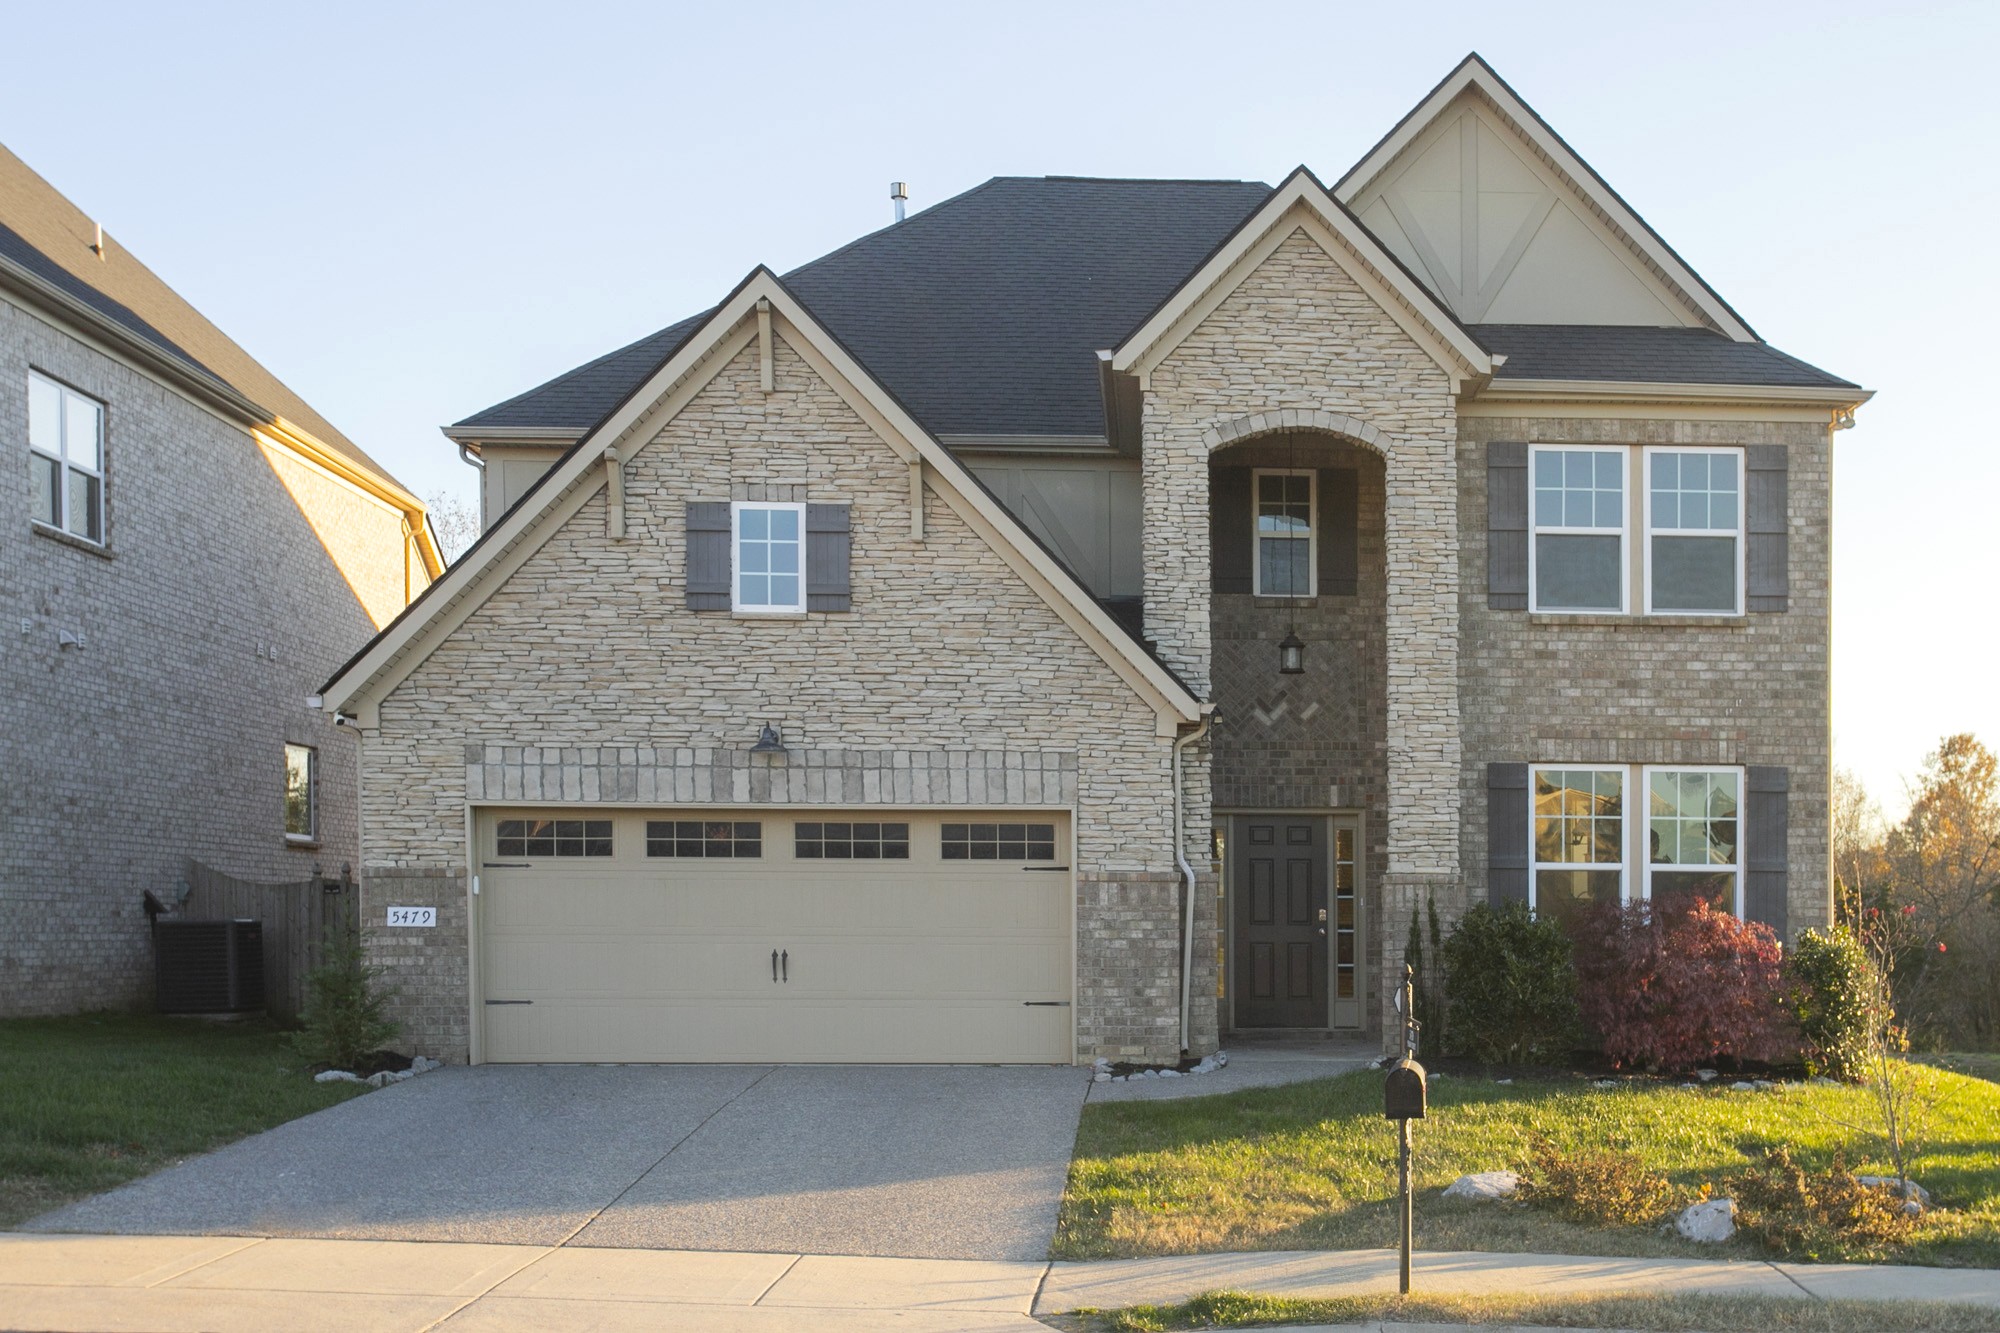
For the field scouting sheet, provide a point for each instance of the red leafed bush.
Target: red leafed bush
(1671, 990)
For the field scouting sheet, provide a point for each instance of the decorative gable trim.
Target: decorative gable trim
(1476, 76)
(734, 326)
(1302, 204)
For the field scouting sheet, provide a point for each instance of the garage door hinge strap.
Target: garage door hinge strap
(510, 1002)
(1046, 1004)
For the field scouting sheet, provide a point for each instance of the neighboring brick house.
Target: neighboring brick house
(187, 550)
(839, 663)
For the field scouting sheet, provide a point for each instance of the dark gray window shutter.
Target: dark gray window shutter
(708, 555)
(1507, 525)
(1230, 550)
(1767, 846)
(1339, 521)
(1767, 558)
(1506, 834)
(828, 546)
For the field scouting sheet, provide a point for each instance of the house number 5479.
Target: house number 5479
(413, 916)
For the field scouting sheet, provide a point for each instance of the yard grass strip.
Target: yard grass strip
(90, 1102)
(1642, 1314)
(1311, 1166)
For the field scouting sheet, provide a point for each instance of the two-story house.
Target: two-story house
(186, 549)
(1093, 615)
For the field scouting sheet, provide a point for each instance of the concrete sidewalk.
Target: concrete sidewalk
(61, 1282)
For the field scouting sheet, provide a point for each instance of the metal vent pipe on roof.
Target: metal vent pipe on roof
(899, 191)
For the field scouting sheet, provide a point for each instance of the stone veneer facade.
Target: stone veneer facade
(233, 578)
(950, 682)
(1298, 346)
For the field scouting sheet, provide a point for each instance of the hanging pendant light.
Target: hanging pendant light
(1291, 655)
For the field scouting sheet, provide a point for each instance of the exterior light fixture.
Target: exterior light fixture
(768, 741)
(1291, 655)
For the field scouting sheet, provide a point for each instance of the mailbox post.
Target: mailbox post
(1403, 1100)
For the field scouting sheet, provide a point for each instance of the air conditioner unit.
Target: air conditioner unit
(208, 967)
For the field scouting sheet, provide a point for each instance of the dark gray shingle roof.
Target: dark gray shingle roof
(1652, 356)
(984, 314)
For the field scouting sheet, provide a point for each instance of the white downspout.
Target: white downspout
(1187, 874)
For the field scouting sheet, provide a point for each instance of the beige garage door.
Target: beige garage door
(752, 936)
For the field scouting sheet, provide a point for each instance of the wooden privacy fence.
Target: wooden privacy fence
(296, 917)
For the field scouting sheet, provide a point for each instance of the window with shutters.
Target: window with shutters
(1578, 839)
(66, 458)
(1694, 531)
(1692, 818)
(1283, 516)
(768, 544)
(1576, 558)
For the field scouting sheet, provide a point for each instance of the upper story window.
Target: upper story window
(1694, 531)
(1576, 557)
(769, 543)
(301, 793)
(1284, 518)
(66, 458)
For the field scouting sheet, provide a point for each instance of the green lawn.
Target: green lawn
(1655, 1314)
(90, 1102)
(1312, 1166)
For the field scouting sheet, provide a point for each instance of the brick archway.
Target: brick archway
(1296, 418)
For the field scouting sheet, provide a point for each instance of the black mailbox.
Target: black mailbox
(1403, 1094)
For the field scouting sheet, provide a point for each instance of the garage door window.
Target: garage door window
(713, 838)
(999, 842)
(851, 842)
(555, 837)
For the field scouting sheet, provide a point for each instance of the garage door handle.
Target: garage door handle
(785, 962)
(774, 967)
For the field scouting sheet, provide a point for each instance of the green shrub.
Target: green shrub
(344, 1020)
(1807, 1216)
(1596, 1186)
(1830, 987)
(1511, 985)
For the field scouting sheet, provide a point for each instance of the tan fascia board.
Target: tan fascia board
(1173, 706)
(211, 393)
(1640, 391)
(1304, 205)
(1473, 75)
(1030, 444)
(550, 437)
(408, 638)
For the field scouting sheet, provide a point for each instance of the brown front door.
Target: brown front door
(1279, 884)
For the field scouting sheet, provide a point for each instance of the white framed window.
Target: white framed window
(1577, 837)
(767, 550)
(1285, 514)
(1694, 531)
(301, 793)
(1694, 836)
(66, 458)
(1577, 556)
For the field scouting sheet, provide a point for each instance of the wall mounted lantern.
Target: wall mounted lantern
(768, 741)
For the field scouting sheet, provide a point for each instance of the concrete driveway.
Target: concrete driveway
(919, 1162)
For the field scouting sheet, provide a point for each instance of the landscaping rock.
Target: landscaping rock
(1605, 1083)
(1915, 1199)
(1484, 1185)
(1100, 1077)
(1503, 1080)
(1706, 1075)
(1741, 1086)
(1170, 1073)
(1221, 1059)
(423, 1064)
(336, 1076)
(1709, 1223)
(1762, 1084)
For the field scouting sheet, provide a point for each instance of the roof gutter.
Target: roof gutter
(1838, 397)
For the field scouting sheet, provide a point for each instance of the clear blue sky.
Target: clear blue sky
(411, 211)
